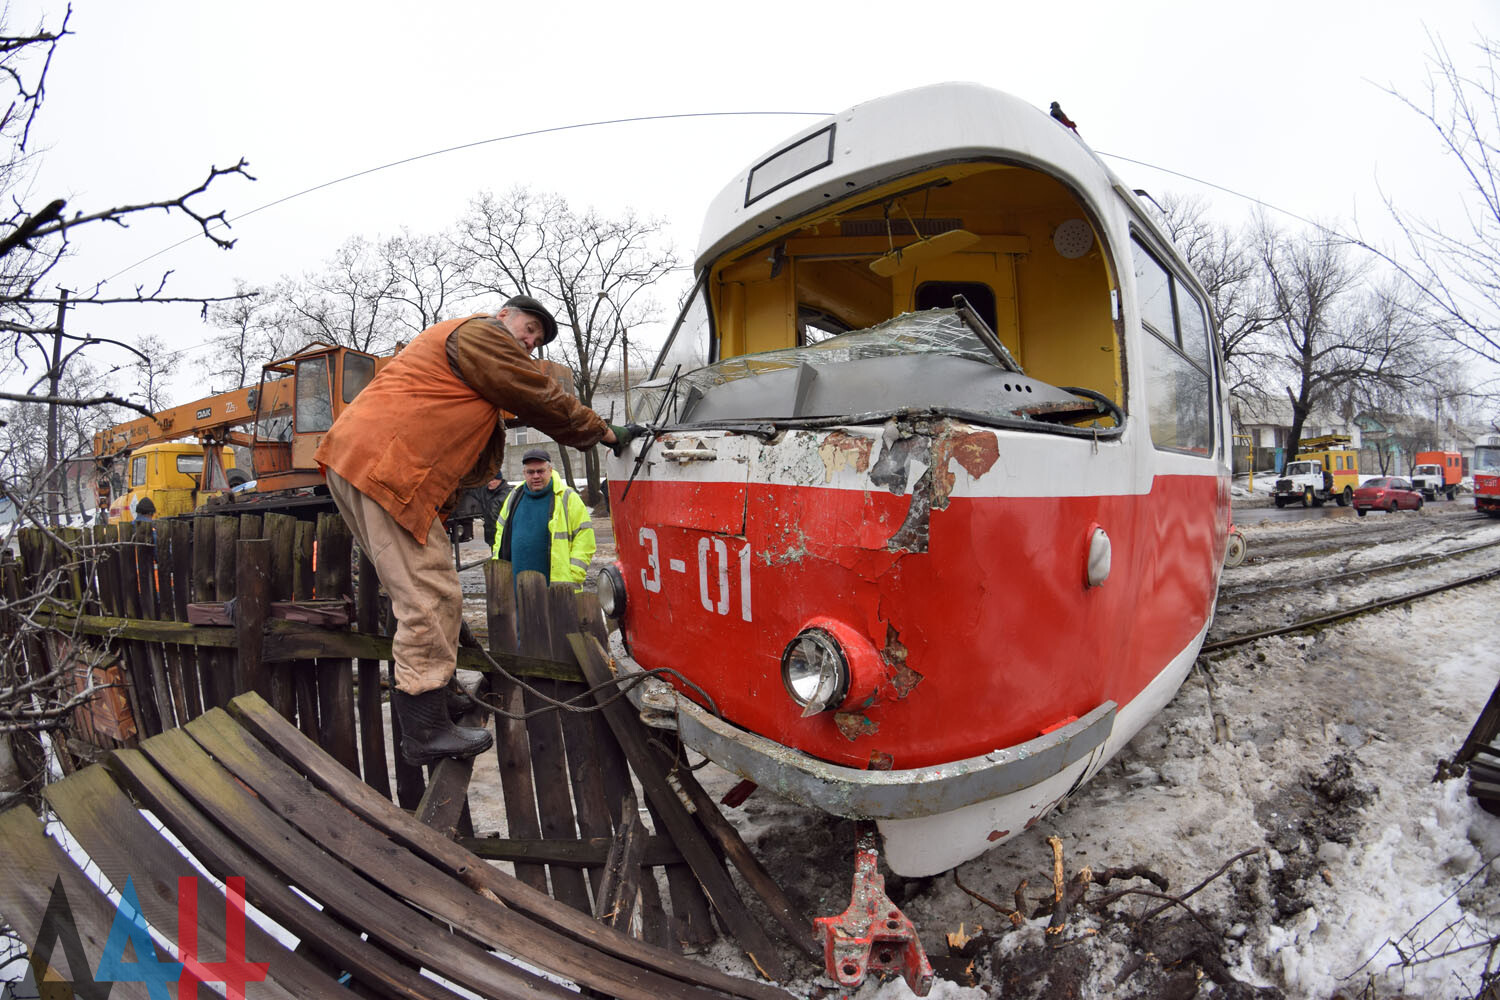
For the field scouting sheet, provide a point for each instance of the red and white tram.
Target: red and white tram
(938, 497)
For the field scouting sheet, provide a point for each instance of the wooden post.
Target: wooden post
(511, 748)
(371, 721)
(304, 672)
(335, 677)
(168, 700)
(124, 598)
(226, 533)
(164, 611)
(252, 587)
(31, 761)
(281, 530)
(545, 734)
(182, 589)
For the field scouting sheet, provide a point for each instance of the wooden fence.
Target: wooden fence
(176, 617)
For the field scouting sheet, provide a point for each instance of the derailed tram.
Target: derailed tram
(937, 498)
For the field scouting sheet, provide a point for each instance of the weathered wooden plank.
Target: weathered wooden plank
(512, 751)
(690, 922)
(226, 665)
(279, 737)
(585, 772)
(281, 530)
(577, 853)
(336, 675)
(304, 672)
(253, 591)
(286, 640)
(544, 733)
(679, 822)
(287, 822)
(367, 670)
(113, 602)
(163, 610)
(615, 898)
(323, 614)
(182, 593)
(118, 839)
(32, 866)
(203, 590)
(266, 888)
(796, 924)
(167, 698)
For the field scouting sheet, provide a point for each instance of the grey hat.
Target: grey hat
(527, 304)
(536, 455)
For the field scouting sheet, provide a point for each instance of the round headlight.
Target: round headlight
(815, 671)
(612, 591)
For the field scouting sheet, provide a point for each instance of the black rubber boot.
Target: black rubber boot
(457, 701)
(428, 735)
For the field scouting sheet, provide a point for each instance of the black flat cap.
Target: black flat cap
(527, 304)
(536, 455)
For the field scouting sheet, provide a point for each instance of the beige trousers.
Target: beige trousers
(423, 585)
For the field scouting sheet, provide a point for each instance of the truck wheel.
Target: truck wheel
(1234, 553)
(1360, 511)
(1452, 494)
(1280, 502)
(1307, 498)
(1347, 497)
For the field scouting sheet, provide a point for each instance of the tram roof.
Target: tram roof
(878, 140)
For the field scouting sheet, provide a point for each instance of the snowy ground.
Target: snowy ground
(1315, 751)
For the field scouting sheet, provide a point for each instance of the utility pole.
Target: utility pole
(54, 381)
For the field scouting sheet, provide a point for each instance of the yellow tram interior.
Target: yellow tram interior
(1014, 241)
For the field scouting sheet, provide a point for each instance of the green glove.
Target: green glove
(623, 436)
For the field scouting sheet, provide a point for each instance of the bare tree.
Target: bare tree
(1457, 268)
(40, 351)
(1337, 335)
(153, 370)
(430, 276)
(255, 328)
(597, 273)
(350, 301)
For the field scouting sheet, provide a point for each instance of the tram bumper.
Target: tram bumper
(974, 804)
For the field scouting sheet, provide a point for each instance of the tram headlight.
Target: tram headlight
(815, 671)
(612, 591)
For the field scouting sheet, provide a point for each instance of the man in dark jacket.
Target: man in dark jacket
(491, 496)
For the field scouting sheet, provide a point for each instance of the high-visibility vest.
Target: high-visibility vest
(572, 543)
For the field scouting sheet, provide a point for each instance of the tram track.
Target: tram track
(1319, 621)
(1322, 576)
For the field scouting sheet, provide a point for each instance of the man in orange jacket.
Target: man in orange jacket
(427, 426)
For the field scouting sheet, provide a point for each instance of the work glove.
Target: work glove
(623, 437)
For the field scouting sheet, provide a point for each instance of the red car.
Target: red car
(1386, 493)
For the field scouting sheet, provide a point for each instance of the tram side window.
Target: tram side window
(1177, 359)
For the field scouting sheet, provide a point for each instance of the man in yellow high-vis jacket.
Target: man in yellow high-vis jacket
(544, 526)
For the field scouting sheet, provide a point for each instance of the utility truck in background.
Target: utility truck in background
(1325, 469)
(280, 421)
(1437, 473)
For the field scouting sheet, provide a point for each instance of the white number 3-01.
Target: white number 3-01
(651, 575)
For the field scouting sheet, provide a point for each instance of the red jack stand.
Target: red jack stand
(872, 933)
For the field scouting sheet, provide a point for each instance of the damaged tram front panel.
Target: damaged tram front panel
(938, 495)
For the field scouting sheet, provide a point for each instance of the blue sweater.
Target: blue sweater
(530, 541)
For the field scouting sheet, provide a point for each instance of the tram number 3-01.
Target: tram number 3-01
(713, 572)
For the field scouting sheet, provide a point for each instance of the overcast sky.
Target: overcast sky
(1281, 101)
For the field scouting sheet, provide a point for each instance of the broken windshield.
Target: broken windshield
(930, 360)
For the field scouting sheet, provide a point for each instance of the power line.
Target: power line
(1216, 187)
(470, 145)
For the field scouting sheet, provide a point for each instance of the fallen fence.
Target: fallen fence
(161, 625)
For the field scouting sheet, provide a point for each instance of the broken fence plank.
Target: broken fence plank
(277, 736)
(679, 822)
